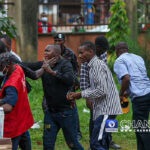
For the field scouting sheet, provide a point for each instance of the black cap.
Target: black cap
(59, 36)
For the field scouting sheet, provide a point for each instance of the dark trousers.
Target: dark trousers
(99, 129)
(67, 121)
(91, 124)
(23, 141)
(141, 109)
(45, 108)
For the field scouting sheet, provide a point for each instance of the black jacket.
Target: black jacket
(56, 87)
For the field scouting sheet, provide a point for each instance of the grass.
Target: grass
(127, 140)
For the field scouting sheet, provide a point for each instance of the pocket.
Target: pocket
(68, 113)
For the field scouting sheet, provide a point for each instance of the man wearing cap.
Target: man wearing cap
(132, 75)
(66, 52)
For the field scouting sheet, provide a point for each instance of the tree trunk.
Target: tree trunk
(25, 13)
(131, 7)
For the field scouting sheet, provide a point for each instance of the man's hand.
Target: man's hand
(47, 67)
(52, 62)
(89, 103)
(72, 96)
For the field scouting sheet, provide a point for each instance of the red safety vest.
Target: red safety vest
(20, 119)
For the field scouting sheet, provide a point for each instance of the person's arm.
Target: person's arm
(125, 84)
(30, 68)
(84, 82)
(66, 74)
(7, 108)
(84, 77)
(99, 91)
(33, 65)
(123, 76)
(33, 74)
(10, 100)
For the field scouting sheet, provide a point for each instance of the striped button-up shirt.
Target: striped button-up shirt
(84, 73)
(102, 89)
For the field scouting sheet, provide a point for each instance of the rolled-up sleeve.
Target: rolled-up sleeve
(120, 69)
(100, 85)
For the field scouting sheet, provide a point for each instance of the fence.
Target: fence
(75, 16)
(4, 6)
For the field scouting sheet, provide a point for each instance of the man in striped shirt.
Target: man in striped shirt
(102, 91)
(102, 46)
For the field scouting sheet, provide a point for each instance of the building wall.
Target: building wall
(73, 41)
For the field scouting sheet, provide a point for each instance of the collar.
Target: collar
(92, 61)
(123, 54)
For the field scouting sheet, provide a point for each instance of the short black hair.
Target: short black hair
(89, 45)
(59, 36)
(121, 46)
(3, 48)
(7, 38)
(6, 59)
(102, 42)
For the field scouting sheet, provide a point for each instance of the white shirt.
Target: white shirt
(134, 66)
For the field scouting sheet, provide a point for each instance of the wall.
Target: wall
(73, 41)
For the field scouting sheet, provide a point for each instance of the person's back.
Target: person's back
(139, 83)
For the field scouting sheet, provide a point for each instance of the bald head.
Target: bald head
(52, 51)
(55, 47)
(121, 48)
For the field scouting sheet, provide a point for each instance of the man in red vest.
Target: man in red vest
(14, 100)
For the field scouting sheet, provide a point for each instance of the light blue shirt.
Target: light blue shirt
(134, 66)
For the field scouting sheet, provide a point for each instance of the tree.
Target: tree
(7, 24)
(118, 25)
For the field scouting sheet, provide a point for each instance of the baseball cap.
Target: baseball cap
(59, 36)
(124, 105)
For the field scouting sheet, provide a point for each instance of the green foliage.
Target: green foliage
(118, 24)
(7, 24)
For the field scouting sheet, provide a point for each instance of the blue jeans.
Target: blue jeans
(66, 120)
(23, 141)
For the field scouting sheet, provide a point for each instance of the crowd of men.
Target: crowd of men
(59, 72)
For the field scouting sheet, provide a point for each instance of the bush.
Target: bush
(7, 24)
(118, 25)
